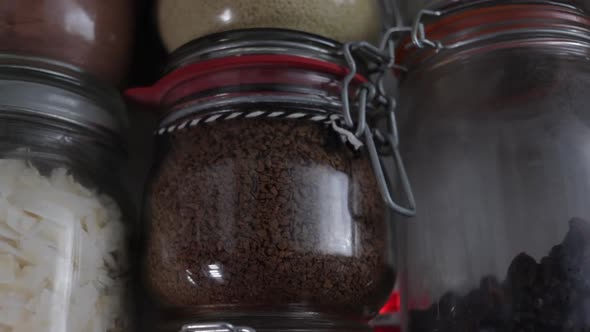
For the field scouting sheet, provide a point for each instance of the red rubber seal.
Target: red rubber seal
(174, 85)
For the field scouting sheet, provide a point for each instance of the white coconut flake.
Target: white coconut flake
(36, 251)
(58, 243)
(10, 317)
(48, 204)
(7, 248)
(8, 233)
(8, 268)
(12, 299)
(19, 221)
(33, 279)
(26, 325)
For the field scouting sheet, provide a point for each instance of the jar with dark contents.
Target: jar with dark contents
(95, 35)
(259, 212)
(181, 21)
(495, 138)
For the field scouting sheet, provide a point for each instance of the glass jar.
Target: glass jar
(63, 248)
(495, 136)
(343, 21)
(408, 10)
(95, 35)
(258, 213)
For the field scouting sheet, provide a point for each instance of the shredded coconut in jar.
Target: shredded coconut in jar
(181, 21)
(62, 254)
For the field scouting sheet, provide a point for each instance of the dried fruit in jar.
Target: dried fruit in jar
(550, 295)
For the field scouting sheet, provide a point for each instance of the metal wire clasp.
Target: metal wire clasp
(374, 94)
(391, 140)
(419, 38)
(215, 327)
(371, 98)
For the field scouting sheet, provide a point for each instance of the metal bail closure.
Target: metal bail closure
(215, 327)
(385, 186)
(374, 94)
(419, 36)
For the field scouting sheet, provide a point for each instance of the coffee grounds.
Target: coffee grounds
(553, 295)
(265, 212)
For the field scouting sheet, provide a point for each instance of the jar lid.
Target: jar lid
(255, 42)
(271, 48)
(40, 87)
(209, 78)
(461, 34)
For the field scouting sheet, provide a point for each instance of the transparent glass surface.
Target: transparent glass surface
(496, 146)
(265, 218)
(63, 244)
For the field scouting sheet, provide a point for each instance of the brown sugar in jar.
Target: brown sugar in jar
(95, 35)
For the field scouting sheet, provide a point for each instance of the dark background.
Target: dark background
(149, 54)
(149, 57)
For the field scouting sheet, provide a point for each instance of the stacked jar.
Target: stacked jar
(63, 248)
(90, 34)
(495, 136)
(63, 230)
(263, 211)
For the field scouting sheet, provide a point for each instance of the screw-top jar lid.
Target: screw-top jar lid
(33, 86)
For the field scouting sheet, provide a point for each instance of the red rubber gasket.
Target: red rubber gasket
(153, 95)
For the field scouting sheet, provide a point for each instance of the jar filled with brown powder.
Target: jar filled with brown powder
(181, 21)
(259, 212)
(95, 35)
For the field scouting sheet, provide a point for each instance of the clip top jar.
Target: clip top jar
(95, 35)
(259, 213)
(411, 10)
(181, 21)
(63, 247)
(499, 169)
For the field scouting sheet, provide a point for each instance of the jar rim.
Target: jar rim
(480, 27)
(46, 88)
(232, 65)
(165, 88)
(256, 41)
(451, 6)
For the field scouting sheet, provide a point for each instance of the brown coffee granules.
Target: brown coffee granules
(265, 212)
